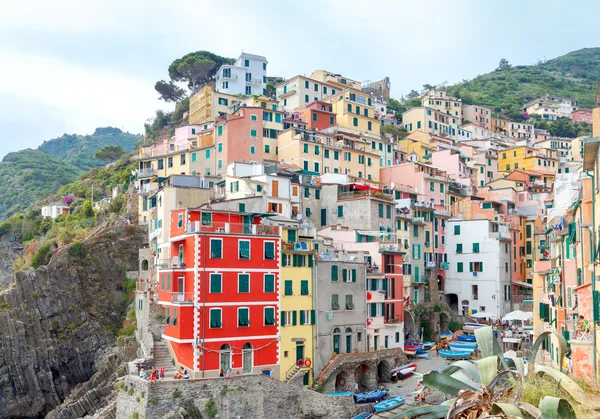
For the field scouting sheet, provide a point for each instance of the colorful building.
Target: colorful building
(432, 121)
(440, 101)
(527, 158)
(247, 76)
(220, 315)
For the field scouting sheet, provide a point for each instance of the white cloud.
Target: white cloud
(89, 98)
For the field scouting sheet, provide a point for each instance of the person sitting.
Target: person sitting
(179, 374)
(162, 372)
(186, 376)
(143, 374)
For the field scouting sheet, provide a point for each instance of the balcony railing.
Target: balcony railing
(145, 189)
(365, 194)
(430, 265)
(232, 228)
(145, 172)
(419, 279)
(182, 297)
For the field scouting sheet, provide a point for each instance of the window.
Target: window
(267, 148)
(254, 117)
(380, 208)
(269, 283)
(244, 249)
(306, 85)
(431, 186)
(459, 267)
(336, 155)
(269, 251)
(334, 273)
(355, 122)
(476, 266)
(216, 248)
(340, 211)
(475, 247)
(206, 218)
(441, 188)
(220, 130)
(475, 292)
(179, 220)
(388, 211)
(415, 231)
(182, 159)
(246, 63)
(335, 304)
(317, 194)
(331, 120)
(456, 230)
(369, 125)
(244, 283)
(317, 150)
(215, 318)
(306, 98)
(220, 147)
(216, 283)
(349, 302)
(292, 236)
(304, 287)
(243, 317)
(288, 287)
(193, 156)
(170, 162)
(459, 248)
(269, 316)
(317, 167)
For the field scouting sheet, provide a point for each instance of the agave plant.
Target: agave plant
(492, 386)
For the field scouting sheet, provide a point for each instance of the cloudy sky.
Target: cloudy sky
(70, 66)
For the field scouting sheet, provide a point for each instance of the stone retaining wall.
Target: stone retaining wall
(244, 397)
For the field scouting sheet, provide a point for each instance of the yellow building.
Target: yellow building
(333, 79)
(355, 111)
(418, 143)
(440, 101)
(527, 158)
(577, 147)
(340, 152)
(297, 312)
(208, 103)
(431, 121)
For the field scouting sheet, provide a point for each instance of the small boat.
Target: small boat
(371, 396)
(466, 338)
(455, 354)
(389, 404)
(403, 373)
(423, 354)
(428, 345)
(462, 345)
(413, 346)
(446, 334)
(472, 326)
(412, 364)
(460, 348)
(364, 415)
(409, 353)
(340, 393)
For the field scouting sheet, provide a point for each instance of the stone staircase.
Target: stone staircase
(291, 374)
(162, 358)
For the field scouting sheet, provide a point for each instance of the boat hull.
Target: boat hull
(389, 404)
(466, 338)
(455, 354)
(458, 347)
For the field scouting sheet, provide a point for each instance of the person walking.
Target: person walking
(569, 360)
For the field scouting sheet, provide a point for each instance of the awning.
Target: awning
(160, 179)
(221, 183)
(362, 187)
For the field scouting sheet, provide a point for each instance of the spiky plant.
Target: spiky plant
(492, 386)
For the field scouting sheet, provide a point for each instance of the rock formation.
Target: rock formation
(58, 325)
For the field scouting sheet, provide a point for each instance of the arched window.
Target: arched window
(336, 341)
(247, 358)
(225, 358)
(144, 265)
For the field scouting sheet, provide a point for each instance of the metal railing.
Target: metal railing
(146, 172)
(232, 228)
(182, 297)
(366, 194)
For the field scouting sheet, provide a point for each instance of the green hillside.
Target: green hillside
(571, 75)
(29, 176)
(79, 150)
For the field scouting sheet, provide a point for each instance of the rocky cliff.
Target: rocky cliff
(58, 324)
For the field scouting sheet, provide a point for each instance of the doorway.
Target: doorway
(375, 342)
(299, 353)
(181, 284)
(348, 340)
(247, 358)
(247, 224)
(225, 358)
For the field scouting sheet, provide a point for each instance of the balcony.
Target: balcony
(228, 77)
(255, 82)
(145, 189)
(420, 279)
(153, 235)
(390, 248)
(418, 220)
(182, 297)
(145, 172)
(195, 227)
(364, 194)
(162, 263)
(430, 265)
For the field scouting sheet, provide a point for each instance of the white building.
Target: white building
(55, 209)
(478, 278)
(247, 76)
(551, 107)
(299, 91)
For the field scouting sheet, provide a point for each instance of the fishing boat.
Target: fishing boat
(409, 353)
(413, 346)
(455, 354)
(462, 346)
(466, 338)
(339, 393)
(472, 326)
(422, 354)
(371, 396)
(364, 415)
(389, 404)
(403, 372)
(446, 335)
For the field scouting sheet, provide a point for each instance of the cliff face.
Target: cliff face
(56, 323)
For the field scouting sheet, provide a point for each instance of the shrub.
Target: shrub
(78, 250)
(129, 285)
(211, 408)
(134, 415)
(455, 325)
(71, 326)
(42, 256)
(153, 400)
(130, 391)
(176, 394)
(128, 330)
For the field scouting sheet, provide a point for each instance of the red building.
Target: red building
(583, 115)
(318, 115)
(221, 293)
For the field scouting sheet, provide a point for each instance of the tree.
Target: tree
(413, 95)
(504, 65)
(169, 91)
(196, 70)
(175, 74)
(110, 153)
(427, 87)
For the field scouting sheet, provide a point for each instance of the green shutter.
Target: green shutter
(373, 309)
(215, 318)
(282, 318)
(269, 283)
(302, 320)
(353, 275)
(243, 317)
(310, 261)
(475, 247)
(344, 275)
(459, 267)
(244, 249)
(456, 230)
(313, 317)
(215, 283)
(470, 266)
(294, 318)
(340, 211)
(289, 290)
(269, 316)
(269, 251)
(284, 260)
(244, 283)
(334, 273)
(215, 249)
(303, 287)
(384, 284)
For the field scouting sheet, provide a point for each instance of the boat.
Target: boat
(364, 415)
(409, 353)
(411, 364)
(472, 326)
(466, 338)
(457, 346)
(455, 354)
(445, 335)
(389, 404)
(371, 396)
(413, 346)
(422, 354)
(340, 393)
(401, 374)
(428, 345)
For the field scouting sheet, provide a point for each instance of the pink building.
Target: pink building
(189, 132)
(479, 115)
(239, 137)
(429, 183)
(453, 164)
(582, 115)
(541, 135)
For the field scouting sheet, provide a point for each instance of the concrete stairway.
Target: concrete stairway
(162, 358)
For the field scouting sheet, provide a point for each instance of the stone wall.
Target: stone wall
(149, 324)
(249, 396)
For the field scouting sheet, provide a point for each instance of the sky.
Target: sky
(71, 66)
